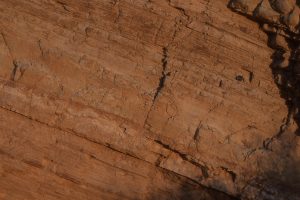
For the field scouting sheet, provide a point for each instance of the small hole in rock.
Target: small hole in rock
(239, 78)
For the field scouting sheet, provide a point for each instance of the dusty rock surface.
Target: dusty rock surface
(141, 99)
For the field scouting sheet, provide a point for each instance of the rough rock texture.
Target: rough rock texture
(281, 21)
(141, 99)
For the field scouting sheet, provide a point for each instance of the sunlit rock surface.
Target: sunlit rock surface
(140, 99)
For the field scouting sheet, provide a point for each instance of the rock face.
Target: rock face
(280, 20)
(140, 99)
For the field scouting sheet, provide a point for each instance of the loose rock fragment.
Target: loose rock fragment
(279, 42)
(281, 20)
(283, 6)
(292, 19)
(265, 12)
(245, 6)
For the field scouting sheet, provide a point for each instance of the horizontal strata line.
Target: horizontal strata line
(5, 83)
(59, 175)
(145, 41)
(68, 131)
(113, 149)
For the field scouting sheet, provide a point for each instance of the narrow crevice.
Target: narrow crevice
(41, 47)
(196, 136)
(251, 76)
(162, 80)
(184, 157)
(231, 173)
(14, 71)
(164, 74)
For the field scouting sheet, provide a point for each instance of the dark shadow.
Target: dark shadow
(287, 79)
(279, 176)
(280, 173)
(188, 190)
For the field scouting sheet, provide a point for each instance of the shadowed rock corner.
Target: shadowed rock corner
(280, 20)
(282, 181)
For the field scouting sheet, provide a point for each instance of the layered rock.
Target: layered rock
(280, 20)
(139, 99)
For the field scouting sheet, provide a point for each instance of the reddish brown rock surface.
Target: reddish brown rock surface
(140, 99)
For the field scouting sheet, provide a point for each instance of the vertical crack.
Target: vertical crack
(164, 74)
(14, 71)
(197, 134)
(162, 80)
(41, 47)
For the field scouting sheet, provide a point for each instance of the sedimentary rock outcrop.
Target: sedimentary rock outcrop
(140, 99)
(280, 20)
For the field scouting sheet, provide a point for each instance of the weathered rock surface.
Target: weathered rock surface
(283, 31)
(141, 99)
